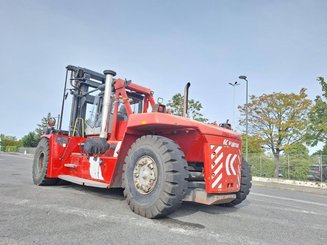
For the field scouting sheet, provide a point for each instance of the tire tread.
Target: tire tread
(43, 180)
(175, 184)
(246, 185)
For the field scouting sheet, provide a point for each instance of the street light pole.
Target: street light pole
(234, 85)
(246, 116)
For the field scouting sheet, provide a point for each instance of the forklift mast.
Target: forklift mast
(85, 84)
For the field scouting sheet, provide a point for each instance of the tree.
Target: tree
(9, 141)
(279, 119)
(255, 144)
(296, 149)
(318, 117)
(297, 162)
(30, 140)
(322, 151)
(194, 107)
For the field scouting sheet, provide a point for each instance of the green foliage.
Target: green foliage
(296, 167)
(318, 117)
(9, 143)
(296, 149)
(194, 107)
(261, 165)
(324, 150)
(299, 171)
(30, 140)
(279, 119)
(255, 144)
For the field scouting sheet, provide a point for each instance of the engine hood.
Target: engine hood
(156, 120)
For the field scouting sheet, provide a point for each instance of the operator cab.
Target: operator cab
(94, 116)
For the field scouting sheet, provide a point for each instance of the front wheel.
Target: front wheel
(40, 164)
(154, 176)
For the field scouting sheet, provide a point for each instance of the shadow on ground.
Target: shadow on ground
(186, 209)
(114, 193)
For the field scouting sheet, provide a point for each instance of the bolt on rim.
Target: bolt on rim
(145, 174)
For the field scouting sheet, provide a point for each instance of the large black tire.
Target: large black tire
(246, 184)
(170, 186)
(40, 164)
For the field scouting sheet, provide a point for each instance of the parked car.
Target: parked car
(315, 172)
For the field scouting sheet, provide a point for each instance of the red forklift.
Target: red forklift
(119, 137)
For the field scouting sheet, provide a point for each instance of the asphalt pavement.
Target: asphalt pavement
(72, 214)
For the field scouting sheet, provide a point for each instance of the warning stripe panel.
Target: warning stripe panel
(217, 181)
(224, 167)
(216, 157)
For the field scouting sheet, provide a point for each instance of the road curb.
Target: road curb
(319, 185)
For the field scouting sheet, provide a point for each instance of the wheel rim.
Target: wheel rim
(145, 174)
(40, 163)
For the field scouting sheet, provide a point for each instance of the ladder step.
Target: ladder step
(70, 165)
(76, 154)
(81, 181)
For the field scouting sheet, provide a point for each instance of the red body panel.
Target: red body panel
(148, 121)
(217, 148)
(71, 154)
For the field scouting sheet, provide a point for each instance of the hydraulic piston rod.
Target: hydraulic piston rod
(106, 103)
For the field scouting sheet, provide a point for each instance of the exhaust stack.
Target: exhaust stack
(106, 103)
(185, 108)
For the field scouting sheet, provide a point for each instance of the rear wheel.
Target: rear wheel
(154, 176)
(40, 164)
(246, 184)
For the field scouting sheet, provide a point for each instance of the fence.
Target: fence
(27, 150)
(294, 167)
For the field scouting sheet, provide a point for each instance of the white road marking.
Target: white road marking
(286, 209)
(290, 199)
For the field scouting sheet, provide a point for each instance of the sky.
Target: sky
(281, 46)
